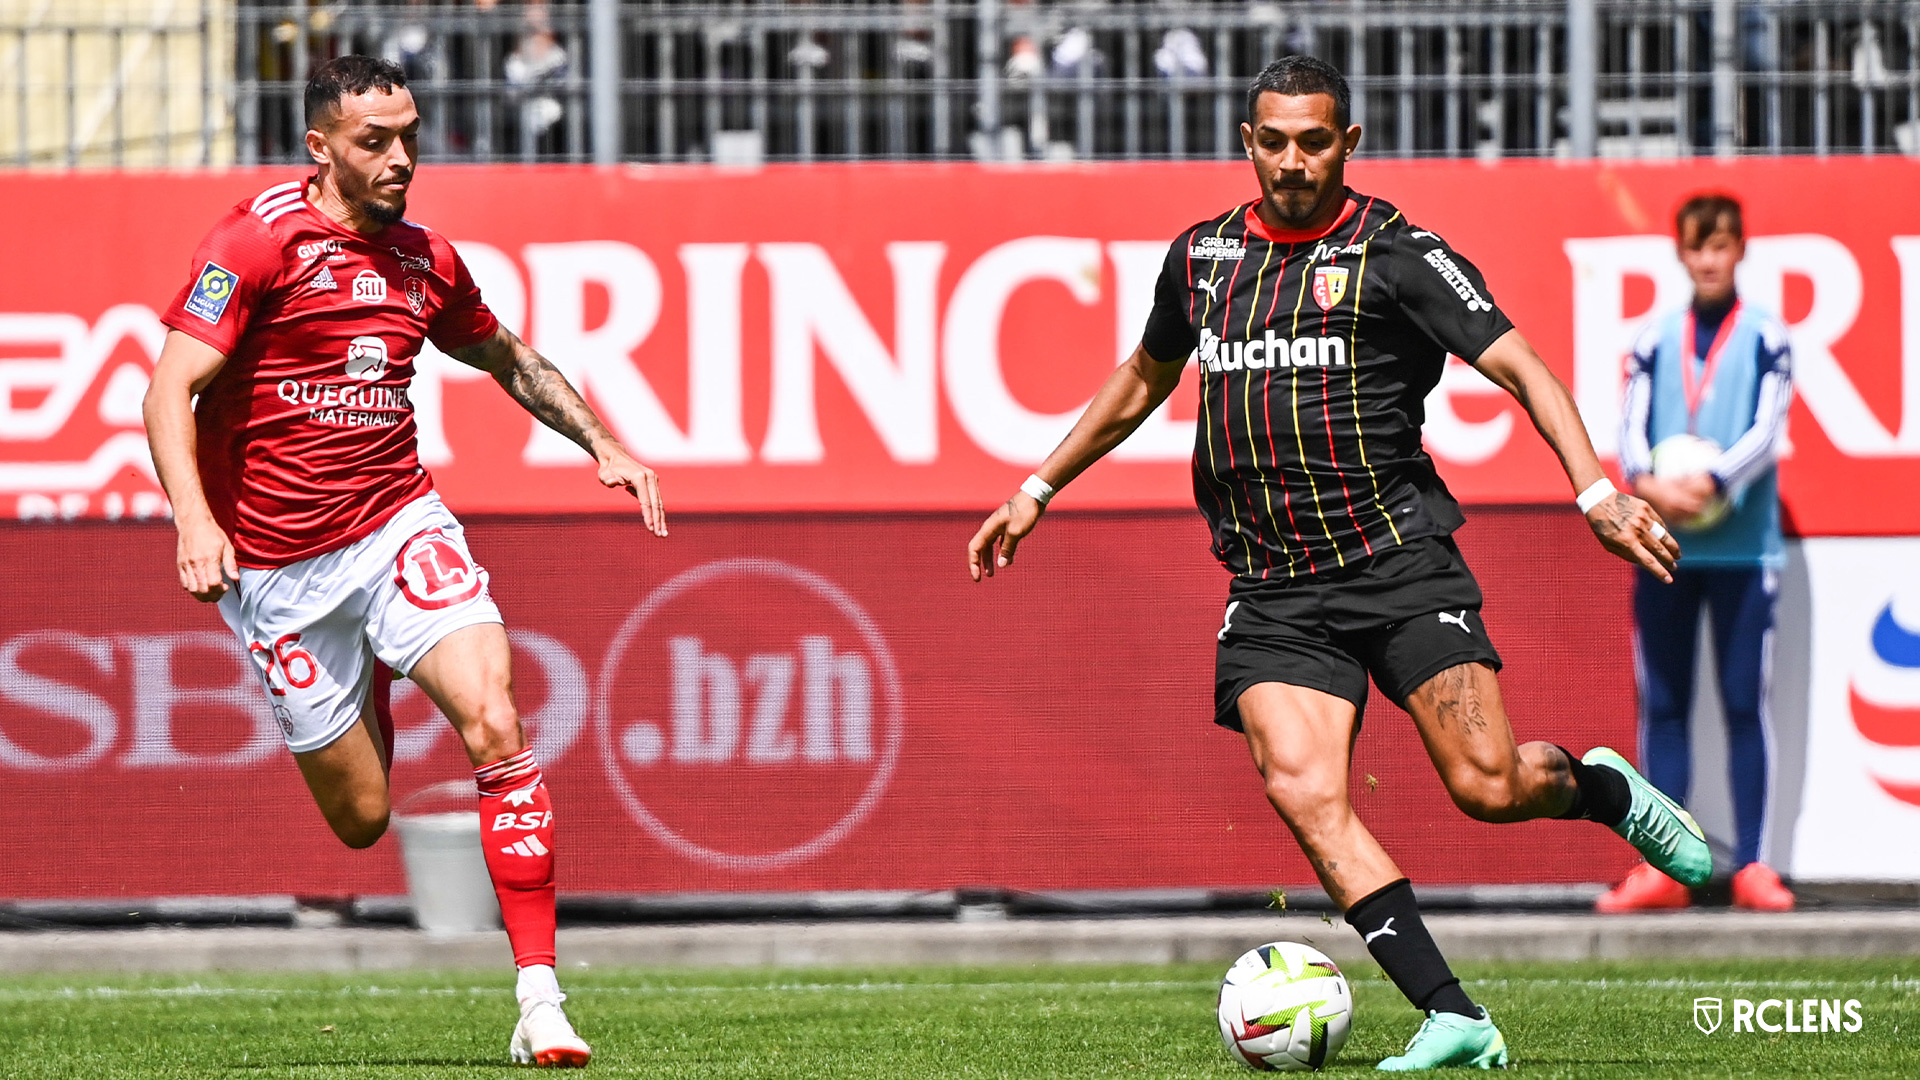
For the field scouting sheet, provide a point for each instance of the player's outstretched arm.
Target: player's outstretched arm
(204, 554)
(538, 386)
(1626, 525)
(1129, 395)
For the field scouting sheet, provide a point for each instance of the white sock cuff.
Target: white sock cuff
(538, 983)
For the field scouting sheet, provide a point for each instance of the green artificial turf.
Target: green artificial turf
(1572, 1020)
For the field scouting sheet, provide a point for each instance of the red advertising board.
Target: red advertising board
(780, 702)
(914, 337)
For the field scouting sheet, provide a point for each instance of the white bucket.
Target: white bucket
(446, 869)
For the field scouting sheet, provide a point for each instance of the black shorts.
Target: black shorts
(1403, 616)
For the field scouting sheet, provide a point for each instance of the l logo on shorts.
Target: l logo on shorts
(434, 572)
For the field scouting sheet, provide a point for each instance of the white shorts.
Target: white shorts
(315, 627)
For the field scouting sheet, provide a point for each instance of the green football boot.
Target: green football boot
(1451, 1041)
(1664, 834)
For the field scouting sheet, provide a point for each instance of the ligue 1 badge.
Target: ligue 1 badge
(1329, 286)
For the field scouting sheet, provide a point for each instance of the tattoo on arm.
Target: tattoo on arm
(537, 385)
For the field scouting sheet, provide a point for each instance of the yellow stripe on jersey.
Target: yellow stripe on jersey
(1253, 445)
(1233, 516)
(1353, 371)
(1299, 442)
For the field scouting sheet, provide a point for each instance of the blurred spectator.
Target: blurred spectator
(1024, 60)
(1074, 54)
(1705, 413)
(1180, 55)
(536, 63)
(809, 54)
(407, 44)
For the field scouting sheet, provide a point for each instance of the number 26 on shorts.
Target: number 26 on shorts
(285, 664)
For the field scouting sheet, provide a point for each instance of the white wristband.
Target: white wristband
(1596, 493)
(1041, 491)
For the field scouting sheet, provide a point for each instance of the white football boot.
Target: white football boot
(543, 1037)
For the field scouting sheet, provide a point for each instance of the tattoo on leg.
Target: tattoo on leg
(1454, 699)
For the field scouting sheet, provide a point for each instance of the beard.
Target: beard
(384, 213)
(359, 194)
(1295, 206)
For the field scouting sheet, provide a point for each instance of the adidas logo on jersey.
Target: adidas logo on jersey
(1270, 351)
(323, 281)
(529, 847)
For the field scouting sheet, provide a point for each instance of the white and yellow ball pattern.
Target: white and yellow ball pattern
(1284, 1007)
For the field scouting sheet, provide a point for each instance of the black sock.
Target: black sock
(1599, 793)
(1388, 920)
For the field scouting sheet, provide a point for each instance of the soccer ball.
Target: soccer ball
(1690, 455)
(1284, 1007)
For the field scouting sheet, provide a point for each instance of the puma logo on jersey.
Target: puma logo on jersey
(1209, 287)
(1386, 929)
(1459, 620)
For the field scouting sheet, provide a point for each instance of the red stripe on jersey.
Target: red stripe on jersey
(1207, 474)
(1334, 259)
(1226, 413)
(1326, 407)
(1273, 451)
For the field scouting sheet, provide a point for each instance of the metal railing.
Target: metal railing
(116, 82)
(757, 80)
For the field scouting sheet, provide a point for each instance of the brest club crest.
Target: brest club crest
(1329, 286)
(1706, 1015)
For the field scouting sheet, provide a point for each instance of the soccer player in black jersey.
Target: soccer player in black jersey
(1319, 318)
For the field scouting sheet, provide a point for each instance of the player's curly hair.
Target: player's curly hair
(1300, 74)
(343, 76)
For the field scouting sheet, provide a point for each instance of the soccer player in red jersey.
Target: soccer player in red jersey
(304, 512)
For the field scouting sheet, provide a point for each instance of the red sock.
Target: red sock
(516, 832)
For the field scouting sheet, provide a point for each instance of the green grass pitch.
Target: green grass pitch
(1570, 1020)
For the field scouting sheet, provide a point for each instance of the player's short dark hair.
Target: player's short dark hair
(1299, 74)
(346, 76)
(1708, 213)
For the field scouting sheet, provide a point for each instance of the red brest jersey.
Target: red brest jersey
(306, 435)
